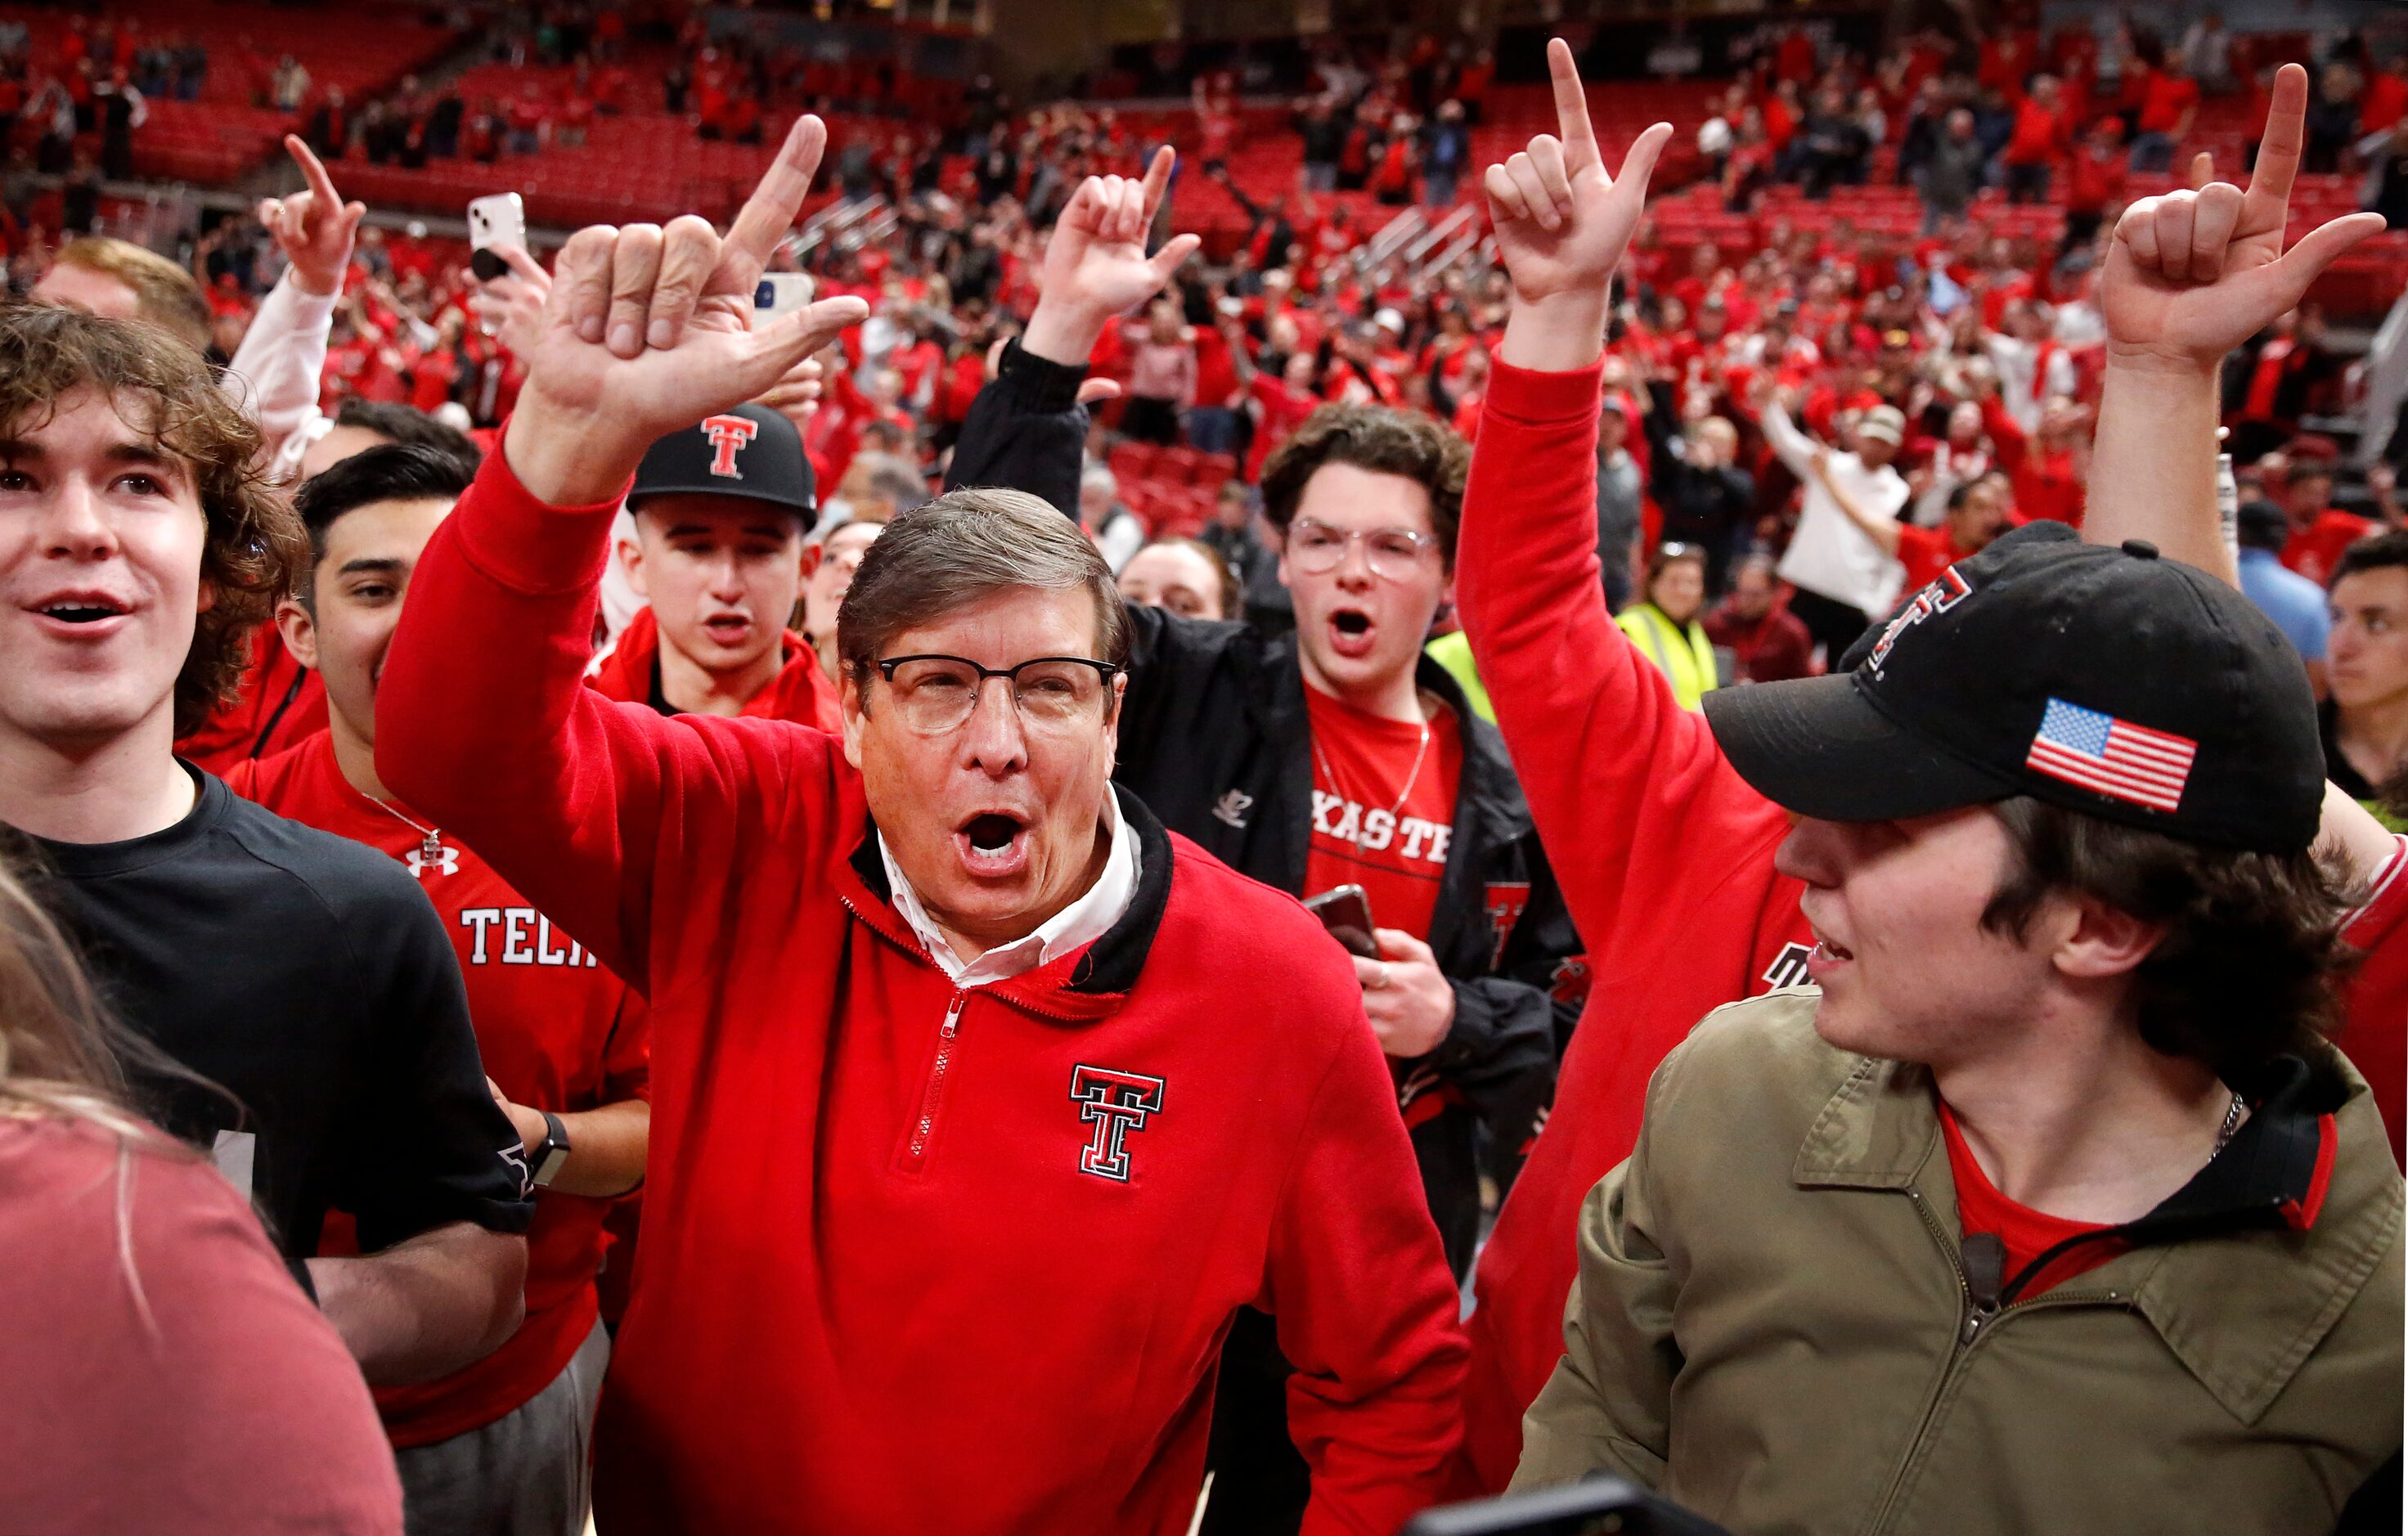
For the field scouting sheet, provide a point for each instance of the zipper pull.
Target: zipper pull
(1985, 1271)
(953, 1016)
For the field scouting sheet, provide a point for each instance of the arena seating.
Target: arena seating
(359, 50)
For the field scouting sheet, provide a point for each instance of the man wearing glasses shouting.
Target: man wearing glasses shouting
(1337, 755)
(981, 1103)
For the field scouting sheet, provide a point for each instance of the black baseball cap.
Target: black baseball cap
(749, 451)
(2112, 682)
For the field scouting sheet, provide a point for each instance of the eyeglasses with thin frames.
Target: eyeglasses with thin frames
(1395, 554)
(938, 694)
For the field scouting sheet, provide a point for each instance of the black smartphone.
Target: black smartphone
(1346, 913)
(1594, 1508)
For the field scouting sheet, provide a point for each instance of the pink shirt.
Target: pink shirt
(1163, 372)
(231, 1406)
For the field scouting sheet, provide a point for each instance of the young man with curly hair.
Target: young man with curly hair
(304, 975)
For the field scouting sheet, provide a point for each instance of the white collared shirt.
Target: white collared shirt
(1082, 922)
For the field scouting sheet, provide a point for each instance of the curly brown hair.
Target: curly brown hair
(254, 545)
(1373, 438)
(2252, 964)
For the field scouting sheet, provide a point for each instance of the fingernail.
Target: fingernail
(659, 333)
(590, 328)
(622, 338)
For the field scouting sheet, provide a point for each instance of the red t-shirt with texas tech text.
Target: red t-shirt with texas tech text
(1378, 820)
(556, 1031)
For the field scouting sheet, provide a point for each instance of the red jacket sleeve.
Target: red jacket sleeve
(1365, 1309)
(591, 809)
(1629, 791)
(2006, 436)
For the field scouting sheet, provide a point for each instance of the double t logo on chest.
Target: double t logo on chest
(1115, 1103)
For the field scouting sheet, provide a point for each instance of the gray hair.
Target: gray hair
(960, 549)
(1097, 476)
(898, 481)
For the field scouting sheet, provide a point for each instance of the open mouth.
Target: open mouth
(993, 843)
(1351, 632)
(80, 612)
(727, 626)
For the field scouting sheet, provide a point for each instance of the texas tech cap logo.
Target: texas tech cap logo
(728, 434)
(1115, 1103)
(1944, 592)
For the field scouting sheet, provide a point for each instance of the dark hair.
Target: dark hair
(965, 546)
(2262, 525)
(253, 545)
(1374, 438)
(2252, 961)
(2373, 553)
(401, 423)
(387, 472)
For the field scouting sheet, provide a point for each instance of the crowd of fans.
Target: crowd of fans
(1634, 631)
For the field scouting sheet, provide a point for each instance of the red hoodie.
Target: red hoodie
(918, 1259)
(802, 693)
(1667, 859)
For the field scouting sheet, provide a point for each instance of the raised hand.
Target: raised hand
(1561, 222)
(2192, 274)
(1095, 266)
(646, 330)
(510, 306)
(313, 228)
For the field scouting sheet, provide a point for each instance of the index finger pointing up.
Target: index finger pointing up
(320, 182)
(1157, 176)
(769, 212)
(2278, 152)
(1571, 108)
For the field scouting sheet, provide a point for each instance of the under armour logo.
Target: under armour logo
(515, 1155)
(1788, 968)
(442, 860)
(728, 434)
(1115, 1103)
(1230, 808)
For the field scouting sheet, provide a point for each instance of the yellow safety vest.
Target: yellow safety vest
(1682, 654)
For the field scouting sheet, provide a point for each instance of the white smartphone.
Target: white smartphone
(779, 294)
(495, 224)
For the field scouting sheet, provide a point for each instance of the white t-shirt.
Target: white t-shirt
(1829, 556)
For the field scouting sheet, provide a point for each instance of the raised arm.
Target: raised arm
(284, 351)
(484, 721)
(1027, 429)
(2190, 275)
(1626, 787)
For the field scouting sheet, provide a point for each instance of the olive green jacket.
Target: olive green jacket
(1772, 1324)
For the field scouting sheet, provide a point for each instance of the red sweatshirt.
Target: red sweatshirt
(918, 1259)
(280, 702)
(1663, 852)
(802, 693)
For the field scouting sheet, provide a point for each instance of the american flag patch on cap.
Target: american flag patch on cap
(2115, 758)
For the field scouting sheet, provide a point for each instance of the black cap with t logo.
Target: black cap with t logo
(2108, 681)
(751, 451)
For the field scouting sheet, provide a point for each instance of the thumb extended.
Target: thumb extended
(2318, 248)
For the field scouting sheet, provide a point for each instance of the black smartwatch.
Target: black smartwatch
(553, 1155)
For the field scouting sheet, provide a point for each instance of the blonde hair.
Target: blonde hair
(164, 294)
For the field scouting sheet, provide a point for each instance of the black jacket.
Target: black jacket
(1213, 737)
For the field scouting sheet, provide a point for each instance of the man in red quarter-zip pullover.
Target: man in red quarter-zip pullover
(981, 1103)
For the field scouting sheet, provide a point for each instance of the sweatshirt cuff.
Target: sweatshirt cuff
(1037, 386)
(529, 545)
(1530, 395)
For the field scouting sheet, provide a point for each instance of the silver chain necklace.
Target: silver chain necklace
(1412, 779)
(2231, 1124)
(431, 852)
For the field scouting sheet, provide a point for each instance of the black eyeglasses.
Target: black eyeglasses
(938, 694)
